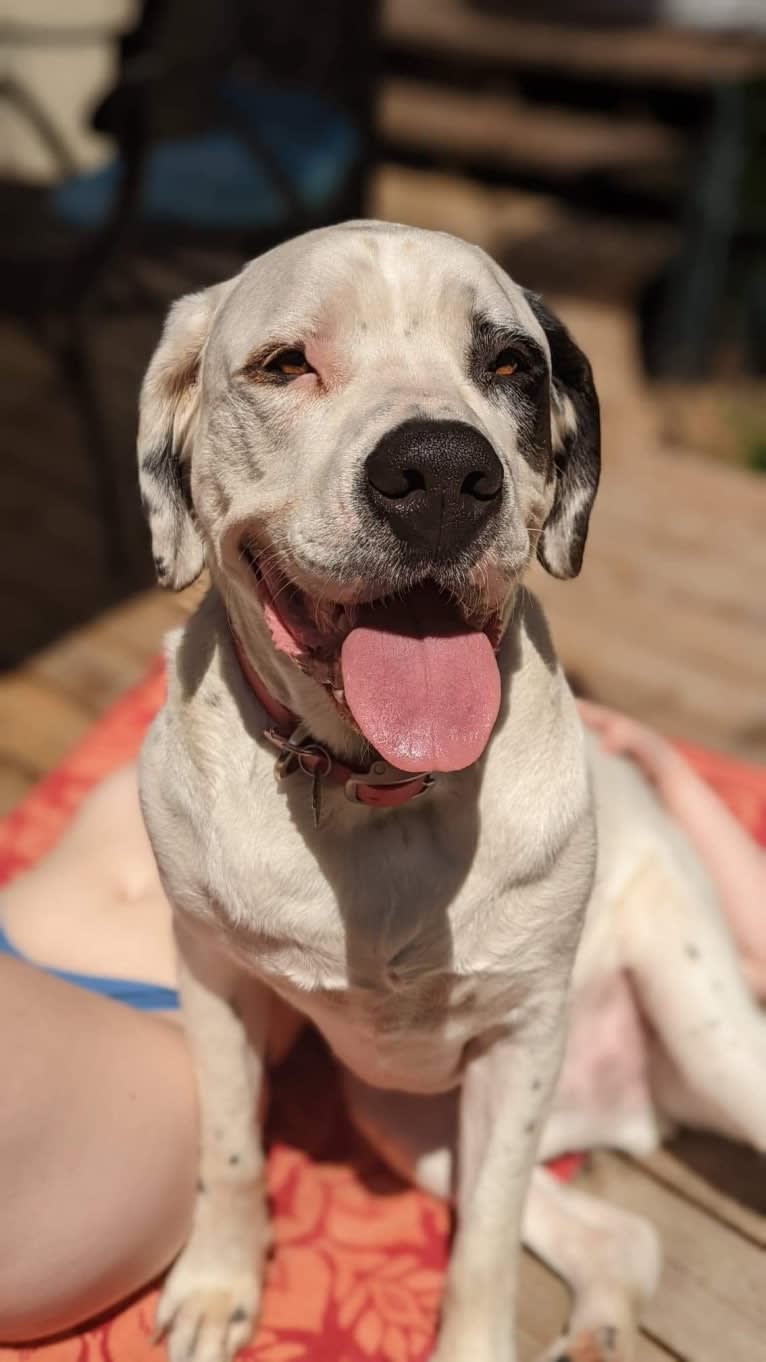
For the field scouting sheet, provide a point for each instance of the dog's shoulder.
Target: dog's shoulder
(198, 732)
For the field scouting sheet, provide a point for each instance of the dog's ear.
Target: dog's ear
(169, 409)
(576, 448)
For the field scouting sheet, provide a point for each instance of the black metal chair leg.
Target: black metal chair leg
(76, 367)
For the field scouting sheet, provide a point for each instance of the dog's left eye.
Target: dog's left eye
(505, 365)
(288, 364)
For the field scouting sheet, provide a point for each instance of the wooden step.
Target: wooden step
(543, 242)
(656, 55)
(506, 133)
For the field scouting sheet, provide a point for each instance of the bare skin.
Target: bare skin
(97, 1151)
(98, 1122)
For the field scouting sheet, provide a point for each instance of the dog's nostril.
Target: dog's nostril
(415, 480)
(395, 483)
(482, 485)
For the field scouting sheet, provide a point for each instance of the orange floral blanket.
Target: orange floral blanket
(360, 1257)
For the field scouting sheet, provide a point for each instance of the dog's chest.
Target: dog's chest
(385, 940)
(402, 1028)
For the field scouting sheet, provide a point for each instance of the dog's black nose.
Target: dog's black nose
(436, 483)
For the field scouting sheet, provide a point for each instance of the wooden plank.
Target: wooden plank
(722, 418)
(711, 1303)
(652, 53)
(542, 1309)
(668, 617)
(47, 705)
(727, 1181)
(14, 783)
(37, 723)
(657, 676)
(453, 203)
(141, 624)
(504, 132)
(95, 664)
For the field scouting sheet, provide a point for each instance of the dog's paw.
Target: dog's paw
(203, 1318)
(604, 1344)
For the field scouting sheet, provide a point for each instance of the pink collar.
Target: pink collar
(380, 787)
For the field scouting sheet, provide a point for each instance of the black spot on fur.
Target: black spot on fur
(578, 463)
(525, 395)
(692, 951)
(163, 466)
(171, 477)
(238, 1316)
(537, 1083)
(234, 1160)
(529, 1127)
(201, 1188)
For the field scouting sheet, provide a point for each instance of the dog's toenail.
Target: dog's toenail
(238, 1316)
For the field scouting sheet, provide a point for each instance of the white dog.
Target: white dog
(368, 435)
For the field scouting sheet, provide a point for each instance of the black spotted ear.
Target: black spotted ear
(169, 408)
(575, 444)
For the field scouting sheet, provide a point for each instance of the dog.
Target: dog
(368, 436)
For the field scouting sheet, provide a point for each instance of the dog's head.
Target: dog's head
(368, 434)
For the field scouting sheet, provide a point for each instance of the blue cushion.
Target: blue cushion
(214, 180)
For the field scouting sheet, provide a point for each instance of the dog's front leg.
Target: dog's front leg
(209, 1301)
(505, 1096)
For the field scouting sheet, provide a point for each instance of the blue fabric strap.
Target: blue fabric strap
(133, 992)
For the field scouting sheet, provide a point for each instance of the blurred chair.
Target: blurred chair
(213, 147)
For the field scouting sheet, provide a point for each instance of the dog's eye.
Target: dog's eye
(506, 364)
(288, 364)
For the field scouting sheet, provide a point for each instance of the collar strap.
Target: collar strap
(380, 787)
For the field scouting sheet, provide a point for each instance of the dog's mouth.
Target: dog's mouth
(415, 673)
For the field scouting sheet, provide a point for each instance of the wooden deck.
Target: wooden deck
(664, 54)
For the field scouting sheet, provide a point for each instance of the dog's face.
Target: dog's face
(370, 414)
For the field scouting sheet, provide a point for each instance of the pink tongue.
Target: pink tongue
(423, 688)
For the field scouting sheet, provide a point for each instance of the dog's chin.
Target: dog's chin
(412, 671)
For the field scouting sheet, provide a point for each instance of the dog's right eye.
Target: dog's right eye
(287, 364)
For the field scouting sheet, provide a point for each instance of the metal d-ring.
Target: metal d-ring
(293, 752)
(311, 749)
